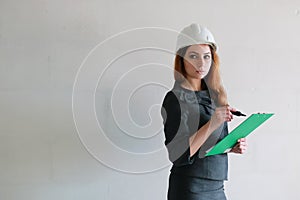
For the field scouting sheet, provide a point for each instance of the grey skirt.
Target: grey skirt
(193, 188)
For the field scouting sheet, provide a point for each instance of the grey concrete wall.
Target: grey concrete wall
(81, 83)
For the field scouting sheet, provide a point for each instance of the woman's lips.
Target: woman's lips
(199, 72)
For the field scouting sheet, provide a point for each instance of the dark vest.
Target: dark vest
(184, 112)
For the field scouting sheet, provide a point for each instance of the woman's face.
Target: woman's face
(197, 61)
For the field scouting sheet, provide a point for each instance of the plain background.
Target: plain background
(42, 46)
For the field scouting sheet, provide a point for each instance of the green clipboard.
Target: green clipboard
(241, 131)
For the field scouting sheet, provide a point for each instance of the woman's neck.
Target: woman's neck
(192, 84)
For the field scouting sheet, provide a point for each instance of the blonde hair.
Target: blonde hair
(212, 80)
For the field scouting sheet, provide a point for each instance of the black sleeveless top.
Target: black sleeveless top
(184, 112)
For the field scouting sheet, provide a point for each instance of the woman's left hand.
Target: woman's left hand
(240, 146)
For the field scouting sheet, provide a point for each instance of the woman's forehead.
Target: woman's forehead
(199, 48)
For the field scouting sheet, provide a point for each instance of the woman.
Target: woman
(195, 114)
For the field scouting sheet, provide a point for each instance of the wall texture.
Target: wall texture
(81, 83)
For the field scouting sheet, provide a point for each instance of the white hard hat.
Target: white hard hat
(195, 34)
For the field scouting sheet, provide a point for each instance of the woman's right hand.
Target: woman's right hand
(221, 115)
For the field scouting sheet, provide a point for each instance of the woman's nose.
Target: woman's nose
(200, 62)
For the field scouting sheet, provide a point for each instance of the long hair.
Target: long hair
(212, 80)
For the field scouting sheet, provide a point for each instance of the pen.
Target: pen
(237, 113)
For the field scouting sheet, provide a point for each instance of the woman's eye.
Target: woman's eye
(207, 57)
(193, 56)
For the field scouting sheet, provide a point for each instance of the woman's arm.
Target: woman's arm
(220, 115)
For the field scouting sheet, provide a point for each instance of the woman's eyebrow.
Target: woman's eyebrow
(198, 53)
